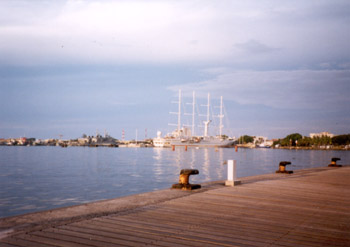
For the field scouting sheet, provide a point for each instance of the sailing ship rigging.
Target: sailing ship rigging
(183, 136)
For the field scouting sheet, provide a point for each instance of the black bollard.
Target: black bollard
(184, 180)
(334, 162)
(282, 167)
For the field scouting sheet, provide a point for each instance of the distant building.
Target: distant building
(262, 141)
(312, 135)
(84, 141)
(22, 141)
(259, 139)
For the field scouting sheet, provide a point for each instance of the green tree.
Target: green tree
(289, 140)
(341, 140)
(277, 142)
(305, 142)
(246, 139)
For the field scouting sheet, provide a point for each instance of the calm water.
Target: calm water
(41, 178)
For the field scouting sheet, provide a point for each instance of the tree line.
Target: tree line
(297, 139)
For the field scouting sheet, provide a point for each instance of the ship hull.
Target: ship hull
(210, 143)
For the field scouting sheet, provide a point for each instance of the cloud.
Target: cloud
(192, 32)
(254, 46)
(122, 104)
(97, 31)
(296, 89)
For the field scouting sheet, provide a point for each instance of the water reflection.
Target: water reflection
(206, 165)
(220, 174)
(158, 171)
(193, 158)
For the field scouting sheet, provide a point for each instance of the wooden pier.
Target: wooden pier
(308, 208)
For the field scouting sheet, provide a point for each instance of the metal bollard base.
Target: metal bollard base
(186, 186)
(334, 165)
(287, 172)
(334, 162)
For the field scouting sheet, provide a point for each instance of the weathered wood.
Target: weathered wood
(307, 208)
(38, 239)
(87, 238)
(205, 224)
(8, 245)
(190, 235)
(160, 231)
(100, 230)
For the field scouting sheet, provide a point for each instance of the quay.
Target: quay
(310, 207)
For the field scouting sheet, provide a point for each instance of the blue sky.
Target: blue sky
(74, 67)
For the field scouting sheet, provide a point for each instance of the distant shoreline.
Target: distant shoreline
(304, 148)
(315, 148)
(334, 148)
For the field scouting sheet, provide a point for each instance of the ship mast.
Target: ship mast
(221, 117)
(193, 113)
(193, 109)
(178, 114)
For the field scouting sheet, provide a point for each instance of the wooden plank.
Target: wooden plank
(267, 193)
(158, 237)
(248, 210)
(289, 194)
(182, 231)
(68, 240)
(25, 241)
(108, 232)
(75, 234)
(198, 228)
(231, 233)
(7, 244)
(39, 240)
(250, 203)
(218, 227)
(161, 230)
(287, 215)
(189, 221)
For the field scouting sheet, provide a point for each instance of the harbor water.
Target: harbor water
(42, 178)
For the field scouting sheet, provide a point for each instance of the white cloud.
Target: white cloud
(297, 89)
(194, 32)
(122, 104)
(116, 31)
(255, 47)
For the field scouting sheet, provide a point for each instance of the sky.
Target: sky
(77, 67)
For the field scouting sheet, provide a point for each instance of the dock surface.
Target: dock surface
(307, 208)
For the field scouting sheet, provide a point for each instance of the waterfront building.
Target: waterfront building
(312, 135)
(262, 141)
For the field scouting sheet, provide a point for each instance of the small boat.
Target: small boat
(263, 145)
(161, 142)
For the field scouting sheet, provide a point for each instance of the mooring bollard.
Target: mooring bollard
(184, 180)
(231, 174)
(282, 167)
(334, 162)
